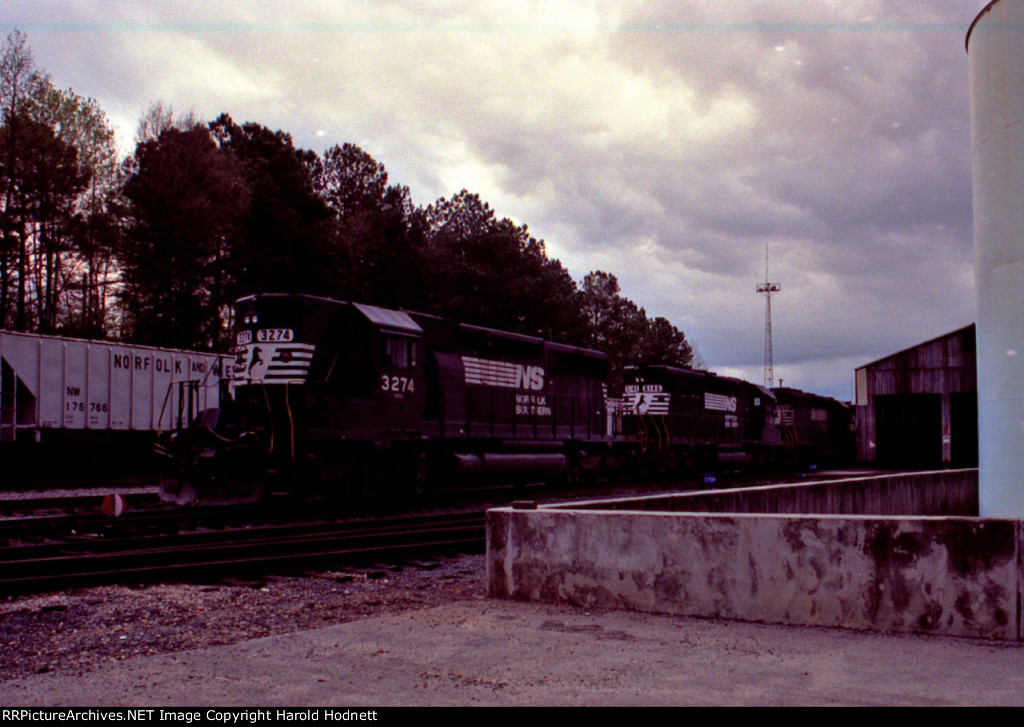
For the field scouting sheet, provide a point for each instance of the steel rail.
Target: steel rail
(234, 552)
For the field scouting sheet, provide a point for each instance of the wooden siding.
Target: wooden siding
(945, 365)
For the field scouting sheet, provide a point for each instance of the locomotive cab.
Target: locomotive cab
(348, 388)
(317, 387)
(366, 382)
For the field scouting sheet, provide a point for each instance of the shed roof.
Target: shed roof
(952, 334)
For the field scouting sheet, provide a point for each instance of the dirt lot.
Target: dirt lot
(425, 635)
(71, 632)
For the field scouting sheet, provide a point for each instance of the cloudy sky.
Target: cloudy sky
(666, 142)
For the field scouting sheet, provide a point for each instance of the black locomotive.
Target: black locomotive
(345, 398)
(815, 429)
(695, 420)
(687, 419)
(334, 395)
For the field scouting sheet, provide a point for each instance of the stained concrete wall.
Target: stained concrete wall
(944, 575)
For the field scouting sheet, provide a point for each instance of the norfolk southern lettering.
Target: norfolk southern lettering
(503, 374)
(160, 364)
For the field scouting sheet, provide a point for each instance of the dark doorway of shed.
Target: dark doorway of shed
(963, 425)
(909, 430)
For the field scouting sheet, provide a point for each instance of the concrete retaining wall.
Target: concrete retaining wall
(941, 492)
(944, 575)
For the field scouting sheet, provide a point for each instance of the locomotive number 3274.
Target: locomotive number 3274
(399, 384)
(270, 335)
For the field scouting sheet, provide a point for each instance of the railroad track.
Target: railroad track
(91, 522)
(241, 552)
(75, 518)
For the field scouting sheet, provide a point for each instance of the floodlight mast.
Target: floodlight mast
(767, 289)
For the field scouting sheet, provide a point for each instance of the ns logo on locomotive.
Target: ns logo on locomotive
(346, 399)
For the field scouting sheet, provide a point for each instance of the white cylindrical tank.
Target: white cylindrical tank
(995, 52)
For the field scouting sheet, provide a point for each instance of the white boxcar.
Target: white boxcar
(51, 382)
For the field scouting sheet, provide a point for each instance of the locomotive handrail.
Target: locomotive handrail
(163, 408)
(266, 399)
(291, 421)
(192, 386)
(662, 435)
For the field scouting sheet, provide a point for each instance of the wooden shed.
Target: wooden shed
(919, 407)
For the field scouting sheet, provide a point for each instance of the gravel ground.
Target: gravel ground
(74, 631)
(423, 634)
